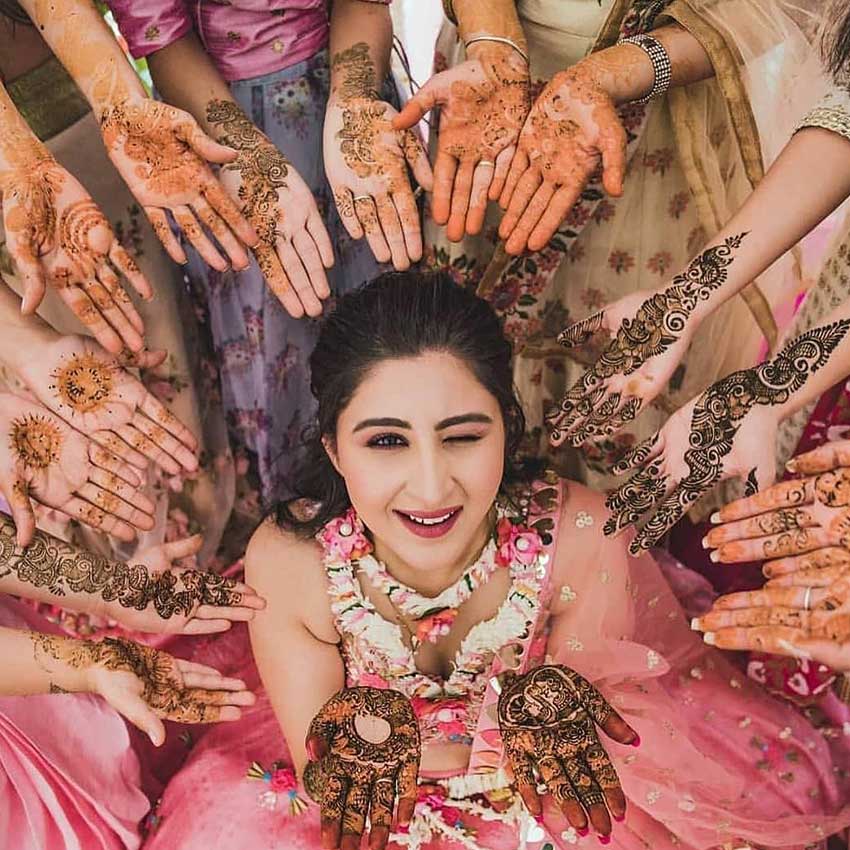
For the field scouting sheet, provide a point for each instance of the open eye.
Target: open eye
(387, 441)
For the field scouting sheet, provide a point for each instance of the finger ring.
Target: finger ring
(807, 599)
(488, 162)
(357, 198)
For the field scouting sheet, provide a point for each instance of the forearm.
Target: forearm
(496, 17)
(359, 67)
(84, 44)
(19, 146)
(53, 571)
(626, 73)
(186, 60)
(792, 199)
(20, 335)
(32, 665)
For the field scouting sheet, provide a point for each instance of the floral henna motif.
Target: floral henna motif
(35, 441)
(163, 688)
(84, 383)
(659, 323)
(548, 717)
(53, 564)
(357, 72)
(353, 776)
(262, 169)
(719, 413)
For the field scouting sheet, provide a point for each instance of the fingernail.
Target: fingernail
(714, 557)
(619, 818)
(791, 466)
(708, 638)
(704, 542)
(604, 839)
(695, 624)
(767, 572)
(715, 518)
(636, 742)
(539, 819)
(583, 832)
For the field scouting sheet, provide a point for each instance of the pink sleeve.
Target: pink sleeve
(152, 25)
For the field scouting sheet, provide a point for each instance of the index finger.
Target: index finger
(219, 200)
(781, 495)
(822, 459)
(772, 522)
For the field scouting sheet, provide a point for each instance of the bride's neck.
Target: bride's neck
(433, 581)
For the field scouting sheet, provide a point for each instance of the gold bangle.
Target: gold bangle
(449, 9)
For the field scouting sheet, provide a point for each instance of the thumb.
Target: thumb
(580, 332)
(431, 94)
(317, 747)
(417, 159)
(206, 147)
(613, 147)
(22, 512)
(177, 549)
(138, 712)
(31, 273)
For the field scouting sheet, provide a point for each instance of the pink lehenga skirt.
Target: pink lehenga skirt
(69, 779)
(721, 763)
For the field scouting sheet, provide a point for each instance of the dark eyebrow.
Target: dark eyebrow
(483, 418)
(386, 422)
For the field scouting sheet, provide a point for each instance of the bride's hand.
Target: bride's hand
(351, 777)
(548, 720)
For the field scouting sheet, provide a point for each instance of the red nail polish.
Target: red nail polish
(636, 742)
(604, 839)
(583, 832)
(619, 818)
(539, 819)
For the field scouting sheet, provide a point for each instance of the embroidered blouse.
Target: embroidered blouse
(833, 110)
(245, 38)
(376, 655)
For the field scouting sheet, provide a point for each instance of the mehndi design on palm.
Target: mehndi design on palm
(548, 721)
(651, 335)
(483, 105)
(351, 777)
(719, 435)
(95, 394)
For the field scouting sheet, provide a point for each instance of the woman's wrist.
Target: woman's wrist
(498, 54)
(624, 72)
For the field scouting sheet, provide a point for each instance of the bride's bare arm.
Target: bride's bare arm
(294, 639)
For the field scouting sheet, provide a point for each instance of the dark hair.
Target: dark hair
(836, 43)
(399, 314)
(13, 11)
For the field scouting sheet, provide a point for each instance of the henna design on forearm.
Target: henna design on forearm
(719, 413)
(53, 564)
(355, 70)
(355, 764)
(548, 717)
(657, 325)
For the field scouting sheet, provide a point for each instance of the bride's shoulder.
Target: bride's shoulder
(278, 554)
(579, 500)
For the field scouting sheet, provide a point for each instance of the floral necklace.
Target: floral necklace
(433, 615)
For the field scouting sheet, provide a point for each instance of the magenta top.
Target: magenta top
(245, 38)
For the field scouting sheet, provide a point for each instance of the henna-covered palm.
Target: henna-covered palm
(162, 154)
(483, 105)
(294, 248)
(94, 393)
(147, 685)
(572, 128)
(47, 461)
(652, 332)
(57, 235)
(729, 431)
(351, 777)
(366, 163)
(548, 719)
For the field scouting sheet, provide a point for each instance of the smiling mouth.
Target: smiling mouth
(429, 523)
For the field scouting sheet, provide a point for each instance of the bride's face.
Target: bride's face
(421, 447)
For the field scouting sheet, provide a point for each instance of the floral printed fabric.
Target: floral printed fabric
(261, 351)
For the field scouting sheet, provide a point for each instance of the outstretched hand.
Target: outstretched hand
(483, 105)
(364, 753)
(162, 155)
(95, 394)
(57, 235)
(548, 721)
(572, 128)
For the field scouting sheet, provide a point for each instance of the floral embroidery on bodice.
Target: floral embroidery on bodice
(375, 653)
